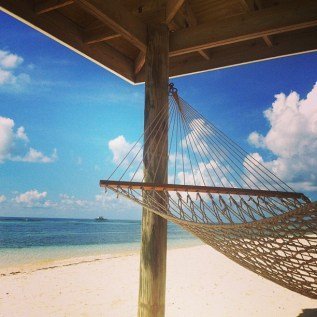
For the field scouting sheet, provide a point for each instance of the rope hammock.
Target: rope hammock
(212, 188)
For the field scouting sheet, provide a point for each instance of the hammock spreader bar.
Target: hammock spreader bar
(202, 189)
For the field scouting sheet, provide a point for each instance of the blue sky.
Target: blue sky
(70, 109)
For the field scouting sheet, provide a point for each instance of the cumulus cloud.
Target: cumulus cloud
(37, 199)
(292, 138)
(13, 145)
(32, 198)
(9, 74)
(196, 138)
(21, 134)
(110, 201)
(35, 156)
(132, 153)
(120, 147)
(9, 60)
(67, 201)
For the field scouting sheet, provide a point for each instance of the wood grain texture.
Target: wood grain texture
(139, 62)
(172, 7)
(283, 18)
(98, 35)
(119, 19)
(247, 52)
(243, 53)
(51, 5)
(154, 228)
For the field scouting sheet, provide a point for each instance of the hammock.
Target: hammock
(211, 187)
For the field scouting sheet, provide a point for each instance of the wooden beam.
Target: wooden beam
(98, 35)
(189, 14)
(241, 53)
(200, 189)
(172, 7)
(204, 54)
(139, 62)
(189, 20)
(119, 19)
(62, 30)
(192, 21)
(282, 18)
(267, 40)
(252, 5)
(154, 227)
(50, 5)
(286, 44)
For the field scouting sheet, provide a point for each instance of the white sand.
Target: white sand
(200, 282)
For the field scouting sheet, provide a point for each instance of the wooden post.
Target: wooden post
(154, 228)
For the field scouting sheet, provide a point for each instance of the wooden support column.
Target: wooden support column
(154, 228)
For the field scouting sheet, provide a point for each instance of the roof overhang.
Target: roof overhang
(113, 35)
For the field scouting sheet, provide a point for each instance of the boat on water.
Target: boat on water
(101, 219)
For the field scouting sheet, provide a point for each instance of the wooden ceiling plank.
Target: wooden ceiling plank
(119, 19)
(282, 18)
(172, 7)
(98, 35)
(62, 30)
(50, 5)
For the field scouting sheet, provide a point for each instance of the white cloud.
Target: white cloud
(31, 198)
(67, 201)
(35, 156)
(120, 147)
(13, 145)
(111, 202)
(204, 174)
(9, 60)
(22, 135)
(292, 138)
(5, 77)
(6, 137)
(39, 199)
(196, 138)
(8, 70)
(256, 139)
(2, 198)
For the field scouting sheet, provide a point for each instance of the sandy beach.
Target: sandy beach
(200, 282)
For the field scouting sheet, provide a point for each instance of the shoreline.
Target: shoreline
(77, 260)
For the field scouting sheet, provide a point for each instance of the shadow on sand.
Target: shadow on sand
(309, 312)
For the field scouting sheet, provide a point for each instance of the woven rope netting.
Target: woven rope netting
(221, 194)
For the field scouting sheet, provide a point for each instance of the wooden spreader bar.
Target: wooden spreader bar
(202, 189)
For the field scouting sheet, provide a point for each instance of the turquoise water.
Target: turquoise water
(33, 240)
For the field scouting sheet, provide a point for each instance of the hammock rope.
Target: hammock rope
(222, 195)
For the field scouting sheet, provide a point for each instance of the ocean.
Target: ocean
(26, 241)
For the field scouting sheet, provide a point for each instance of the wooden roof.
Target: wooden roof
(205, 34)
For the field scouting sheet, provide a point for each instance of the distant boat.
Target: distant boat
(100, 218)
